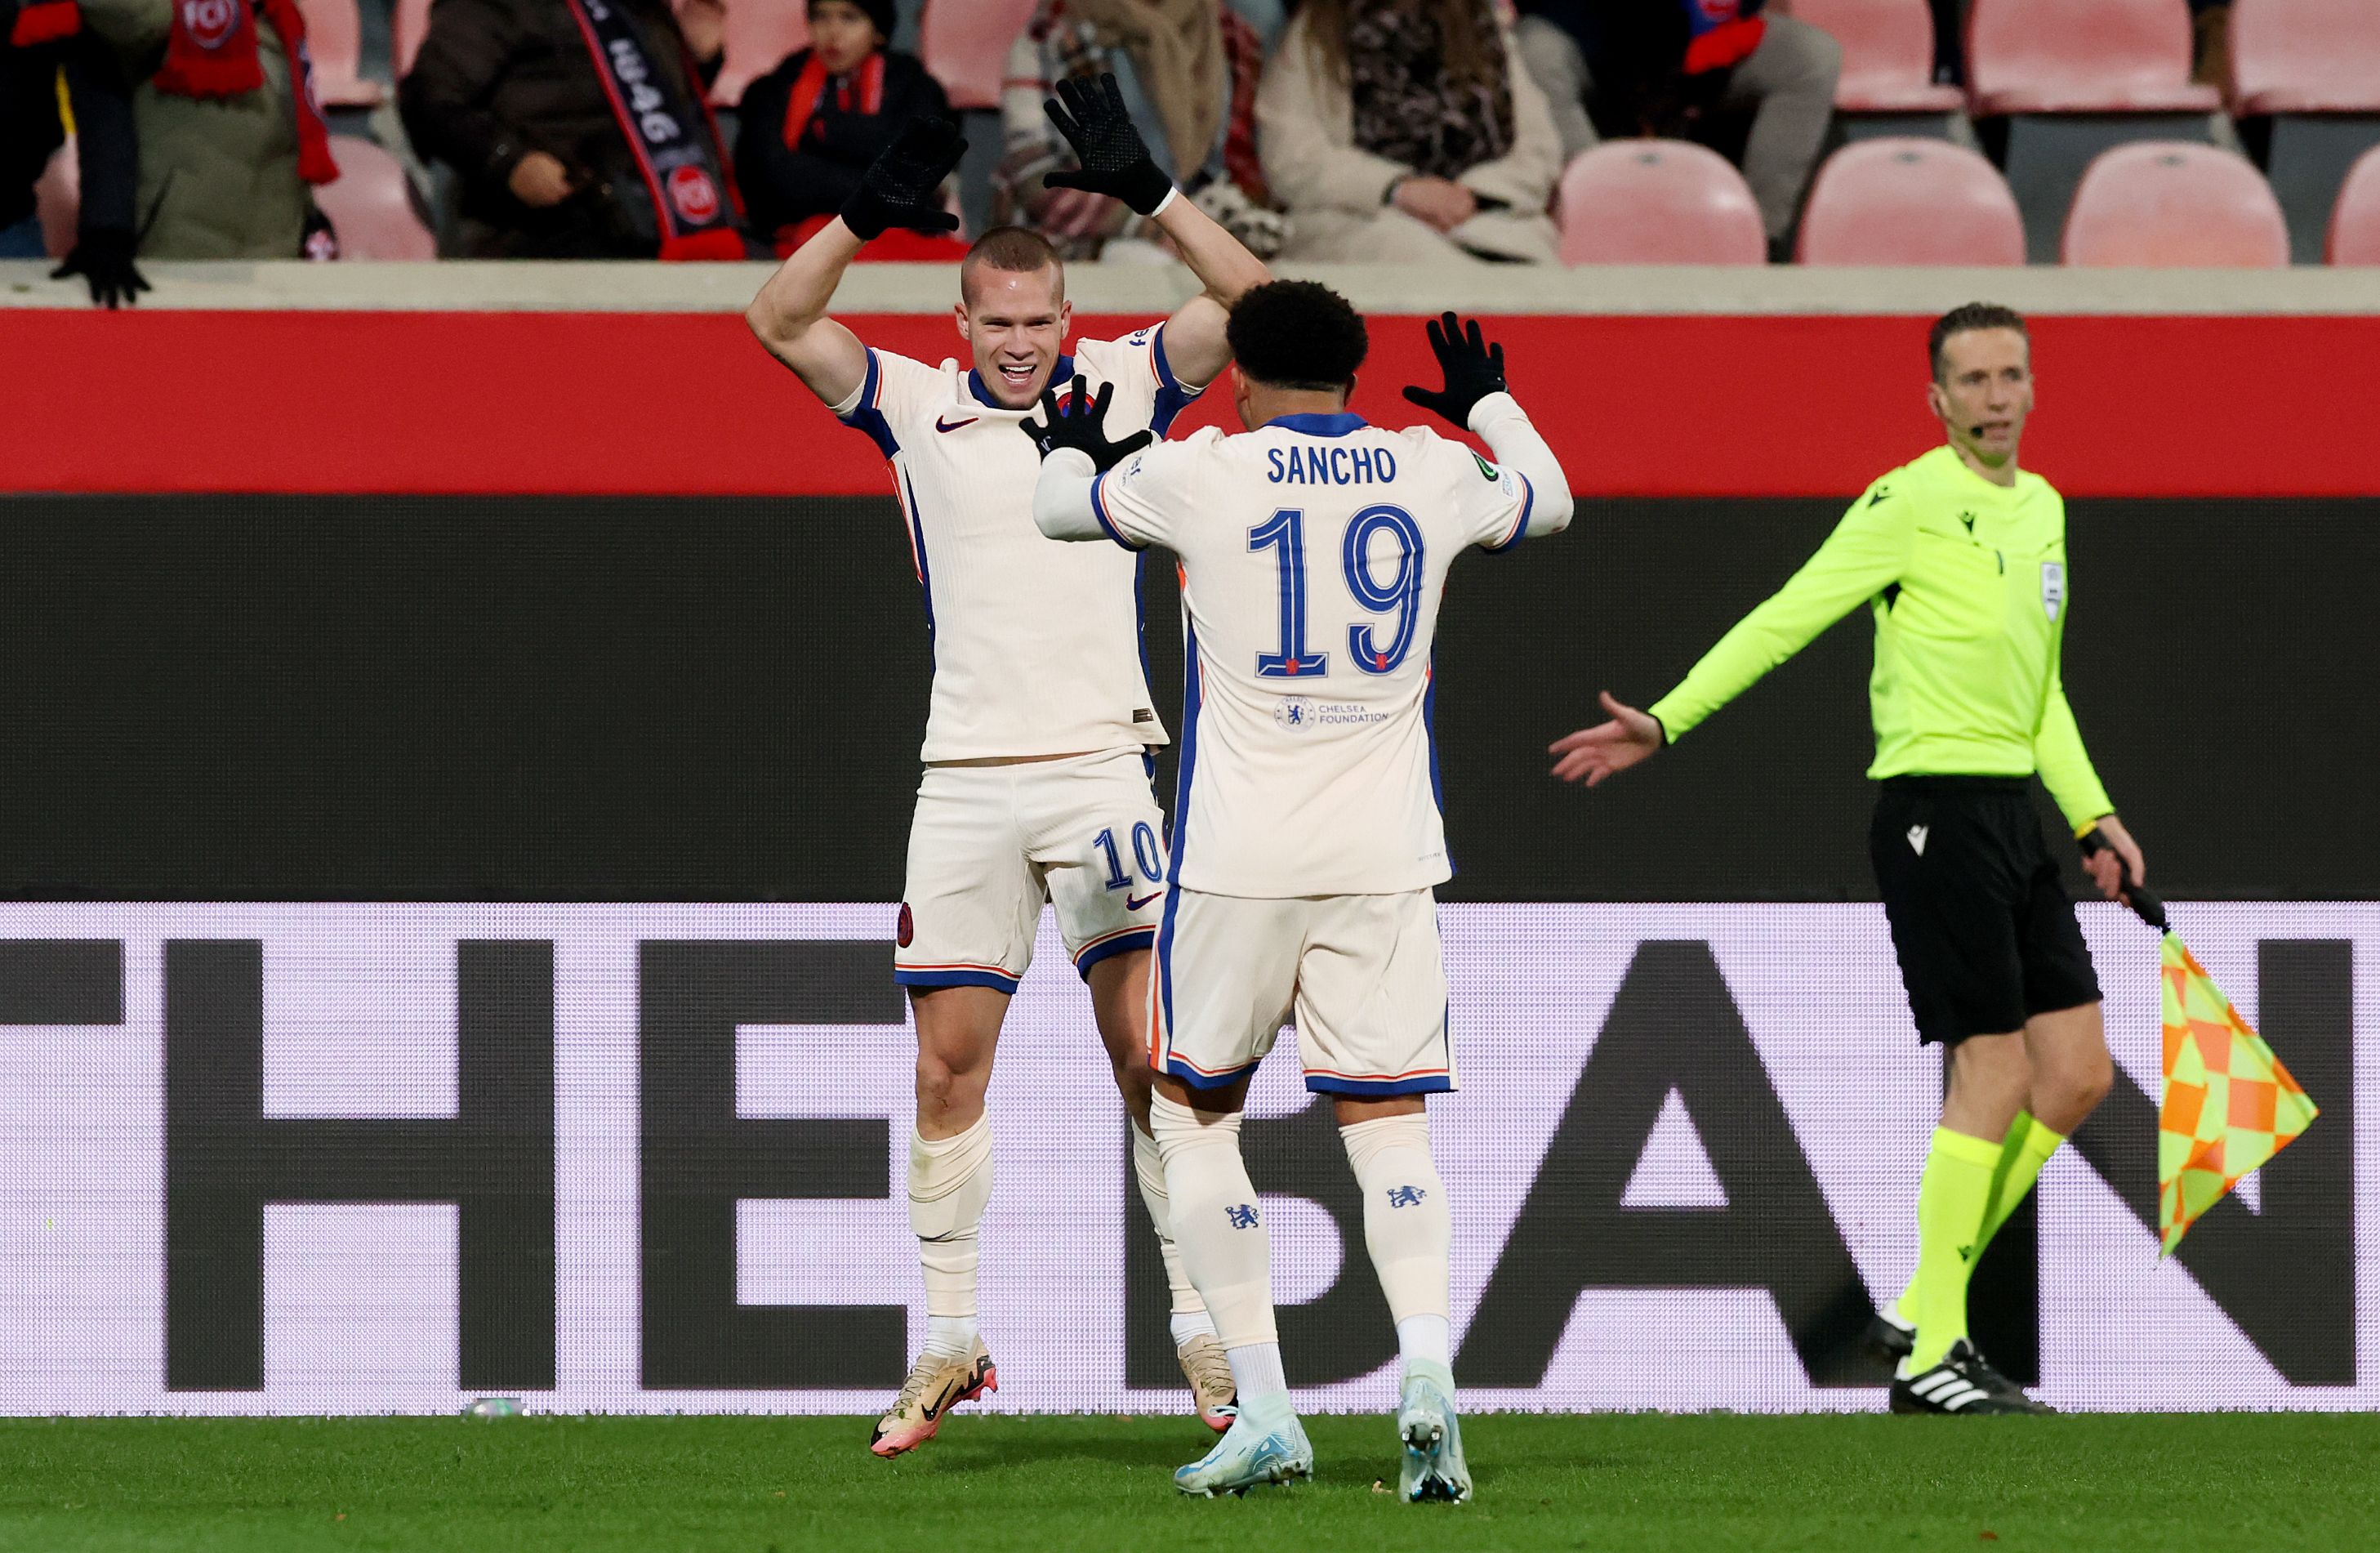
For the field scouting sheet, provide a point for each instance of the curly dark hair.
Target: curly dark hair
(1298, 333)
(1969, 315)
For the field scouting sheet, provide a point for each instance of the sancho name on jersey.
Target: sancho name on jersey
(1315, 550)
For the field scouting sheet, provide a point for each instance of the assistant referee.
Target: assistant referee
(1961, 556)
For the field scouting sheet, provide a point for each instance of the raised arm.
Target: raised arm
(1475, 398)
(898, 190)
(1116, 162)
(1075, 454)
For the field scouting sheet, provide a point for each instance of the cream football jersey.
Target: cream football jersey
(1314, 551)
(1036, 644)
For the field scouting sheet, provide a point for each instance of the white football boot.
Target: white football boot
(1264, 1444)
(1433, 1466)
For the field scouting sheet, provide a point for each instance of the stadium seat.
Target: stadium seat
(2312, 68)
(2291, 56)
(407, 23)
(1657, 202)
(2075, 79)
(2064, 56)
(57, 199)
(759, 34)
(1909, 201)
(1888, 56)
(370, 204)
(335, 38)
(2175, 205)
(965, 44)
(2355, 225)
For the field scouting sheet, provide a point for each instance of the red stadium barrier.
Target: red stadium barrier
(687, 403)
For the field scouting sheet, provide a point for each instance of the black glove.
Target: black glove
(1115, 159)
(1474, 370)
(902, 187)
(104, 259)
(1083, 426)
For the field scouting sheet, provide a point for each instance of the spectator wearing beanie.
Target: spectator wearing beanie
(579, 128)
(809, 128)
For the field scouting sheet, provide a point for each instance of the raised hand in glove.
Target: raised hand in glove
(1474, 370)
(104, 259)
(903, 186)
(1115, 160)
(1081, 423)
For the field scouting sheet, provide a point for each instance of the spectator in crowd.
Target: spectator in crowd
(579, 130)
(44, 45)
(1675, 68)
(230, 137)
(809, 128)
(1188, 70)
(1407, 129)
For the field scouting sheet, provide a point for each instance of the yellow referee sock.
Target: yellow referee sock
(2023, 1152)
(1952, 1197)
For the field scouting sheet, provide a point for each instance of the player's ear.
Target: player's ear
(1938, 402)
(1065, 319)
(958, 311)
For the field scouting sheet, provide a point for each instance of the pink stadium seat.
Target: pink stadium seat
(2169, 204)
(2063, 56)
(57, 199)
(1909, 201)
(966, 44)
(2355, 224)
(761, 33)
(407, 24)
(335, 38)
(370, 204)
(1657, 202)
(1888, 55)
(2305, 56)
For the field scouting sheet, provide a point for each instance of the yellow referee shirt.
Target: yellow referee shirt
(1967, 582)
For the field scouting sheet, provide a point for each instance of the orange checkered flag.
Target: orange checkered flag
(2229, 1105)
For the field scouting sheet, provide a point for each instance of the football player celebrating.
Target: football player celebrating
(1308, 840)
(1037, 773)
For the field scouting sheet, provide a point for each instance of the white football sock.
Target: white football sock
(1148, 1169)
(1406, 1225)
(950, 1182)
(1185, 1324)
(1425, 1338)
(1256, 1372)
(1216, 1220)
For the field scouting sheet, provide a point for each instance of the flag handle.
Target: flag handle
(2138, 896)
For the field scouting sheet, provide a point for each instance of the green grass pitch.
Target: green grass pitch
(1630, 1482)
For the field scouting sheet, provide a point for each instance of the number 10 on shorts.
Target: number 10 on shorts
(1145, 851)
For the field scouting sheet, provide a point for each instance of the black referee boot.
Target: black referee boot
(1891, 1333)
(1962, 1383)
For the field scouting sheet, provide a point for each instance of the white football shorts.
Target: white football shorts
(989, 844)
(1361, 976)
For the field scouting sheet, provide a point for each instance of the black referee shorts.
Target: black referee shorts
(1981, 921)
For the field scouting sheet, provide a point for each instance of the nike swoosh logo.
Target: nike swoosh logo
(934, 1409)
(1132, 905)
(942, 425)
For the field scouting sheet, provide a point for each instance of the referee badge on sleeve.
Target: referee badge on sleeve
(2053, 587)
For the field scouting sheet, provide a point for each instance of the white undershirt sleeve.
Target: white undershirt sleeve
(1062, 497)
(1504, 426)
